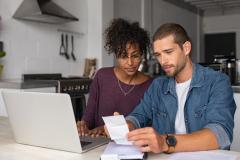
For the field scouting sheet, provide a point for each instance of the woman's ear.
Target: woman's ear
(187, 47)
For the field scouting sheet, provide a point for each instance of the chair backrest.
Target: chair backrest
(236, 132)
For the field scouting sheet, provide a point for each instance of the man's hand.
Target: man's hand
(82, 128)
(148, 140)
(130, 125)
(105, 128)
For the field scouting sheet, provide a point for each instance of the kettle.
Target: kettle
(230, 70)
(237, 71)
(228, 64)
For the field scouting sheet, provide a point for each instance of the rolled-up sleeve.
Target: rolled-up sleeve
(221, 135)
(134, 120)
(220, 113)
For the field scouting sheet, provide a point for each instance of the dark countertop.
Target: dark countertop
(19, 84)
(236, 89)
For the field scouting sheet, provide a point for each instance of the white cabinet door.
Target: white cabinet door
(3, 111)
(236, 138)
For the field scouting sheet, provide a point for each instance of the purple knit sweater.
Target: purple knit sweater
(106, 97)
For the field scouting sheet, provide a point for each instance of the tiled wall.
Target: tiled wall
(34, 47)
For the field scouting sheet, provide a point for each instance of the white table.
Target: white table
(10, 150)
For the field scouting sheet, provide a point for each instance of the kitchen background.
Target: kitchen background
(33, 47)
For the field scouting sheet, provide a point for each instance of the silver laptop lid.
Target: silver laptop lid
(43, 119)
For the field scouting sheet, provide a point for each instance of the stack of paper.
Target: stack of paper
(115, 151)
(121, 148)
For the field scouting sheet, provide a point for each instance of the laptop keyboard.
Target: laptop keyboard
(84, 143)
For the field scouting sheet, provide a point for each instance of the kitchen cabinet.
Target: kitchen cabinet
(236, 139)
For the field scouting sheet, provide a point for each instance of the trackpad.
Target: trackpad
(85, 143)
(88, 141)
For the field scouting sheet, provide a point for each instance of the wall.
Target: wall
(100, 13)
(134, 10)
(128, 9)
(164, 12)
(152, 13)
(223, 23)
(34, 47)
(107, 15)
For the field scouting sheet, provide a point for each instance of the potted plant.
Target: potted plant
(2, 54)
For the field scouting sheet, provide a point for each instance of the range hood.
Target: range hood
(45, 11)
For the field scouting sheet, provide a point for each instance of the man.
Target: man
(190, 109)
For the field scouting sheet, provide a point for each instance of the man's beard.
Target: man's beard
(178, 69)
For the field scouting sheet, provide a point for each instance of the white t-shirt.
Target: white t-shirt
(182, 92)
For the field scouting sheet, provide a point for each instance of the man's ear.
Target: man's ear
(187, 47)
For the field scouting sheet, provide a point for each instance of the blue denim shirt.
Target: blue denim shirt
(209, 104)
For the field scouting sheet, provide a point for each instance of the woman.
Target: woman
(121, 87)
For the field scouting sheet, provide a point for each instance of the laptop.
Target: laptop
(46, 120)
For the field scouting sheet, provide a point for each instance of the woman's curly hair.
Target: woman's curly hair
(120, 32)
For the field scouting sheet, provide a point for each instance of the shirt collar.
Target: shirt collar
(197, 80)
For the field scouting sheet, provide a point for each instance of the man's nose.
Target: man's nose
(163, 60)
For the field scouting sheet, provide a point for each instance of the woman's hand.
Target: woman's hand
(84, 131)
(82, 128)
(98, 131)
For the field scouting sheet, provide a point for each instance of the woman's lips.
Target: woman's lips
(130, 69)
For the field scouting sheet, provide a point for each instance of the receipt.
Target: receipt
(117, 128)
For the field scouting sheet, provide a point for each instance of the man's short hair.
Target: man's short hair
(179, 33)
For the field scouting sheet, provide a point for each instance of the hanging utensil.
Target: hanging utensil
(72, 52)
(66, 47)
(62, 47)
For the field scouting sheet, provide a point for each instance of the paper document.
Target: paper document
(117, 151)
(202, 155)
(117, 128)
